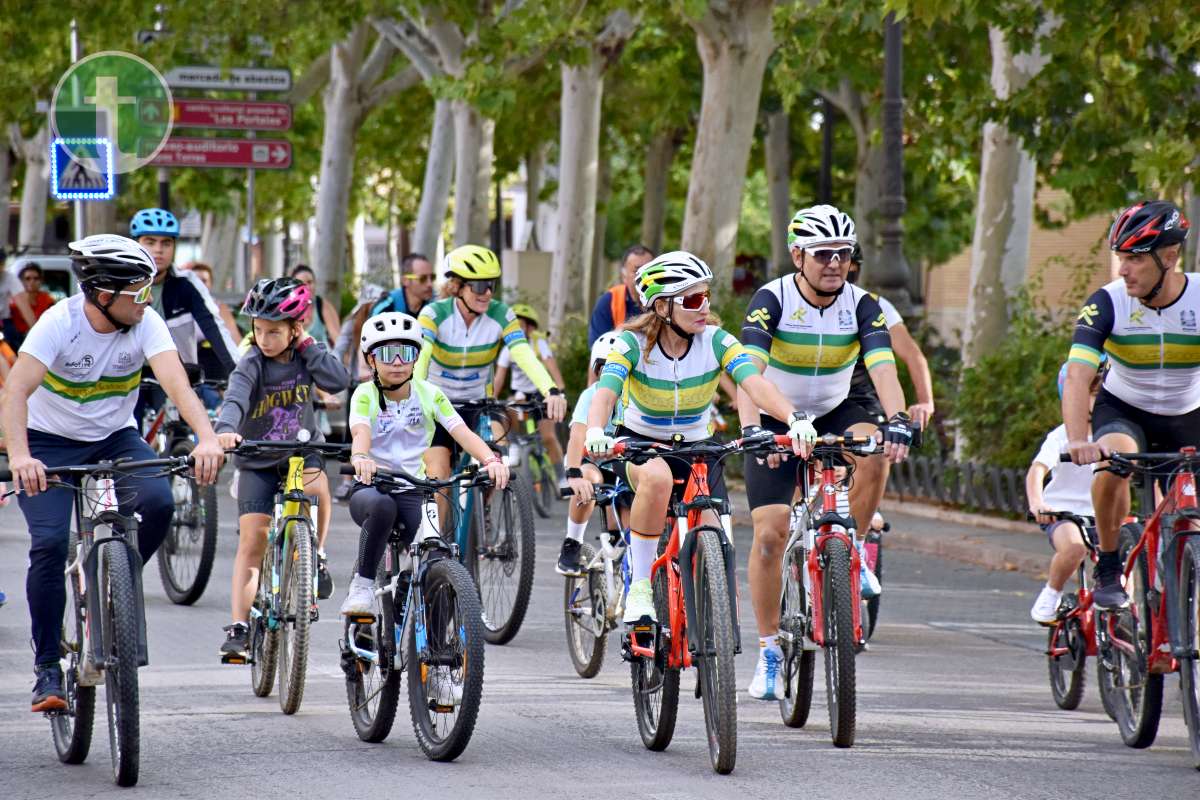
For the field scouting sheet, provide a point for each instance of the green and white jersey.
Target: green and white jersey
(402, 431)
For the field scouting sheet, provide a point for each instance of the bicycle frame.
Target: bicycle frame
(831, 525)
(616, 579)
(464, 497)
(291, 505)
(1083, 612)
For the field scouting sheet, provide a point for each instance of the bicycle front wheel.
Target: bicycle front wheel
(72, 729)
(119, 620)
(502, 556)
(839, 648)
(585, 601)
(1189, 667)
(713, 632)
(185, 559)
(799, 664)
(296, 609)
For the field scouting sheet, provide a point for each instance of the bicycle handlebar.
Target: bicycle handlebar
(472, 476)
(120, 465)
(1130, 459)
(254, 447)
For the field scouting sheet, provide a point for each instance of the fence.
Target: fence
(967, 484)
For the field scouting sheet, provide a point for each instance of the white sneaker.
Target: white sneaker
(640, 602)
(766, 674)
(361, 597)
(446, 690)
(868, 583)
(1045, 608)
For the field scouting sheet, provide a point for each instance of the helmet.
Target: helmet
(278, 299)
(1147, 225)
(107, 261)
(1100, 372)
(602, 347)
(525, 311)
(390, 326)
(670, 274)
(472, 262)
(154, 222)
(821, 224)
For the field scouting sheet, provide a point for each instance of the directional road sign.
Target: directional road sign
(237, 115)
(240, 79)
(237, 153)
(71, 179)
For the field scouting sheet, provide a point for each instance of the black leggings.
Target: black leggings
(379, 513)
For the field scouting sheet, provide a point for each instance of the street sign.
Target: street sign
(235, 153)
(240, 79)
(70, 179)
(236, 115)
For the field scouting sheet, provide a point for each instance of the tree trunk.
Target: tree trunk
(779, 174)
(734, 43)
(472, 173)
(534, 163)
(579, 145)
(219, 242)
(100, 217)
(600, 275)
(35, 152)
(657, 176)
(6, 164)
(439, 172)
(1191, 211)
(868, 194)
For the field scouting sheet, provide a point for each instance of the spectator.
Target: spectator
(204, 273)
(322, 322)
(10, 294)
(36, 302)
(416, 287)
(620, 302)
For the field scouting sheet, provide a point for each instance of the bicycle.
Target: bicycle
(594, 602)
(873, 552)
(526, 449)
(104, 623)
(695, 597)
(496, 540)
(285, 604)
(428, 621)
(1160, 630)
(819, 601)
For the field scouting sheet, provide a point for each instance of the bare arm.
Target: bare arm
(887, 385)
(603, 403)
(230, 322)
(748, 413)
(907, 349)
(333, 324)
(1033, 486)
(551, 365)
(24, 378)
(498, 381)
(469, 440)
(574, 456)
(763, 394)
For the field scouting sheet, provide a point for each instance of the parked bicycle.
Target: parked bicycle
(527, 451)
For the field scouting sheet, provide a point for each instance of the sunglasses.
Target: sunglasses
(697, 301)
(481, 287)
(389, 353)
(825, 256)
(412, 276)
(141, 296)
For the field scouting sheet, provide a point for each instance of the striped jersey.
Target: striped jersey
(810, 351)
(1154, 352)
(664, 396)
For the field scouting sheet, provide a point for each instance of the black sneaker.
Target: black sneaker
(1109, 595)
(325, 585)
(48, 694)
(342, 493)
(568, 559)
(237, 639)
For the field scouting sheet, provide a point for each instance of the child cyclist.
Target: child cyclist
(270, 396)
(1069, 490)
(669, 361)
(523, 388)
(393, 418)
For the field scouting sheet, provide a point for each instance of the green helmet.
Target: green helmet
(526, 311)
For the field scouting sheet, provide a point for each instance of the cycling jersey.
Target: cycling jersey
(666, 395)
(186, 305)
(520, 381)
(810, 351)
(1154, 352)
(458, 358)
(584, 404)
(401, 431)
(861, 385)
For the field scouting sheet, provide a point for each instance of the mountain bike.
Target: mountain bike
(427, 621)
(526, 450)
(285, 605)
(104, 624)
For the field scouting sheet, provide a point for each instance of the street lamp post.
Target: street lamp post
(891, 275)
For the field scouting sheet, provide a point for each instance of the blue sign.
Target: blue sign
(87, 175)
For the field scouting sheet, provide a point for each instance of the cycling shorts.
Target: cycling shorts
(1154, 433)
(256, 488)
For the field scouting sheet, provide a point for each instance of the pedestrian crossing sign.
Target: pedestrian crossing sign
(82, 178)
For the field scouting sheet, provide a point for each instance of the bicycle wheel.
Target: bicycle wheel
(535, 473)
(72, 729)
(185, 559)
(264, 640)
(296, 584)
(714, 646)
(502, 558)
(839, 643)
(119, 619)
(1134, 694)
(1067, 670)
(445, 662)
(1189, 667)
(373, 687)
(548, 489)
(656, 685)
(585, 601)
(799, 664)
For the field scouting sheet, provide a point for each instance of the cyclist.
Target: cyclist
(1146, 321)
(270, 396)
(1069, 490)
(69, 400)
(523, 387)
(668, 359)
(464, 332)
(392, 420)
(620, 302)
(416, 287)
(805, 331)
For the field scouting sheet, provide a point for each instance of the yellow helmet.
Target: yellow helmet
(524, 311)
(472, 263)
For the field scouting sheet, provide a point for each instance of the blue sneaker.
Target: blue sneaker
(766, 673)
(868, 583)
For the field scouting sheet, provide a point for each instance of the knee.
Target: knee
(770, 533)
(656, 480)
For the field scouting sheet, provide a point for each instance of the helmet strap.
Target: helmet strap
(104, 309)
(670, 320)
(1162, 276)
(467, 311)
(382, 387)
(820, 292)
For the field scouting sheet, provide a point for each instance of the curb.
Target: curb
(943, 514)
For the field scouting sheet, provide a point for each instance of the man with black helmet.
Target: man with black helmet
(70, 399)
(1147, 323)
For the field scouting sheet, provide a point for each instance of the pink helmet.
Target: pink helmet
(278, 299)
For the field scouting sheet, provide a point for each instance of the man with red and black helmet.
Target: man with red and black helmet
(1148, 323)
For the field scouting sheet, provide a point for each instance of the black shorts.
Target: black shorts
(442, 437)
(681, 468)
(868, 401)
(256, 488)
(1154, 433)
(534, 397)
(768, 487)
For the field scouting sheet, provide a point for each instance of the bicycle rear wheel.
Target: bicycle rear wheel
(119, 619)
(185, 559)
(1067, 670)
(584, 604)
(799, 664)
(296, 584)
(72, 729)
(540, 484)
(1189, 667)
(839, 643)
(715, 647)
(373, 686)
(873, 548)
(502, 558)
(445, 662)
(264, 640)
(656, 685)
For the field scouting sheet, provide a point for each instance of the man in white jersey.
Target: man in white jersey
(70, 399)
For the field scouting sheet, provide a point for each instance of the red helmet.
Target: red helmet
(1146, 226)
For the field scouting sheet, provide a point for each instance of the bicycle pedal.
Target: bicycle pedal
(234, 658)
(440, 709)
(360, 619)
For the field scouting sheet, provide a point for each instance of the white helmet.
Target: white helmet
(106, 261)
(670, 274)
(602, 347)
(390, 326)
(818, 225)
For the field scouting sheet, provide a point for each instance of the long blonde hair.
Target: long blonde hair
(650, 324)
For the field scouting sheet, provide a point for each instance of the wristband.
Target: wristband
(494, 460)
(574, 472)
(554, 391)
(359, 455)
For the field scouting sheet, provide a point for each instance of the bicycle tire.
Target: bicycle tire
(1189, 667)
(715, 650)
(583, 619)
(379, 637)
(535, 473)
(454, 632)
(1067, 672)
(183, 545)
(264, 641)
(549, 485)
(656, 685)
(296, 584)
(72, 731)
(799, 665)
(119, 618)
(503, 572)
(840, 647)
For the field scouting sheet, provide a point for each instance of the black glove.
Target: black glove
(898, 429)
(752, 434)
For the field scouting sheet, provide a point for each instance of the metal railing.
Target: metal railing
(967, 484)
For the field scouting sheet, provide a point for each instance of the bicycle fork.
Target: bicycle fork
(817, 564)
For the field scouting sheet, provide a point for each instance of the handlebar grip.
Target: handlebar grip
(1065, 458)
(918, 437)
(346, 469)
(6, 476)
(565, 491)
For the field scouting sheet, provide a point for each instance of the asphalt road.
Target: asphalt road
(953, 703)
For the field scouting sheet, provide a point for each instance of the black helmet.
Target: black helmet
(1146, 226)
(277, 299)
(105, 261)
